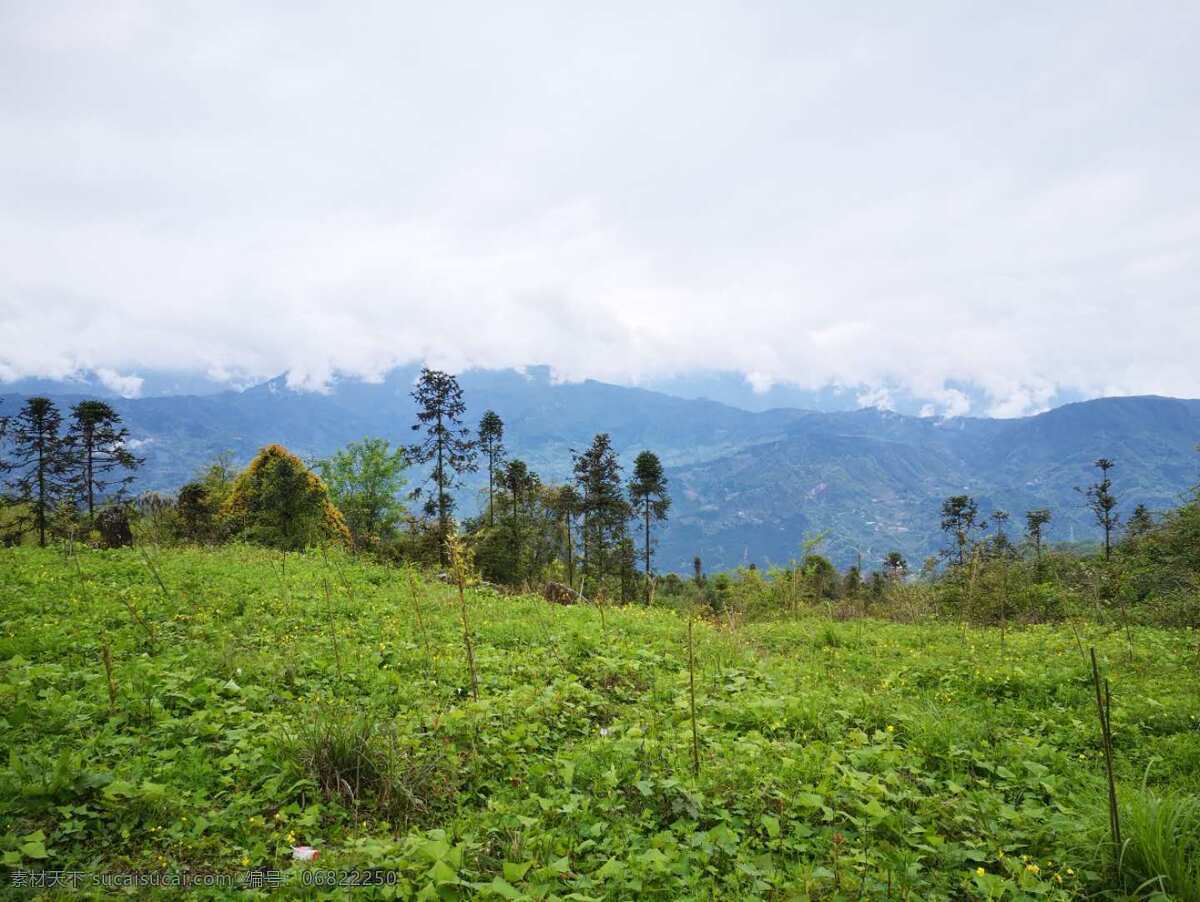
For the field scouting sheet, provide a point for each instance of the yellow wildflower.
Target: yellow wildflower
(979, 872)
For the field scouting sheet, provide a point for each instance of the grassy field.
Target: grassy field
(254, 702)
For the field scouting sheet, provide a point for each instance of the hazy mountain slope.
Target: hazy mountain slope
(875, 480)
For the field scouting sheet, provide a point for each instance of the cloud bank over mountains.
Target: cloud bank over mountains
(983, 209)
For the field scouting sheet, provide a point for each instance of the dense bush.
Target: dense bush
(278, 501)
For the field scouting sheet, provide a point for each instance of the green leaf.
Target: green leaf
(610, 868)
(505, 889)
(443, 873)
(516, 872)
(772, 825)
(874, 809)
(33, 850)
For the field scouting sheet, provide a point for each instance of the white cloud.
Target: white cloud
(880, 398)
(125, 386)
(622, 192)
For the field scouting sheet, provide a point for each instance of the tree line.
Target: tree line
(595, 532)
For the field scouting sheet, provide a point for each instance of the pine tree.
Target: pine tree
(521, 485)
(895, 565)
(566, 503)
(852, 583)
(42, 462)
(1001, 546)
(447, 445)
(491, 443)
(960, 520)
(1035, 523)
(605, 510)
(5, 466)
(100, 445)
(1141, 521)
(650, 501)
(1103, 503)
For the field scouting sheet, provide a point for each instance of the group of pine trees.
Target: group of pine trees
(59, 476)
(595, 531)
(529, 527)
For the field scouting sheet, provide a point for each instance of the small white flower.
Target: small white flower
(604, 731)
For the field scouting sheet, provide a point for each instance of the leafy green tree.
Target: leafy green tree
(278, 501)
(491, 443)
(819, 572)
(365, 480)
(197, 513)
(1035, 526)
(42, 464)
(605, 510)
(852, 582)
(1103, 503)
(960, 520)
(650, 501)
(101, 458)
(1140, 523)
(447, 445)
(199, 503)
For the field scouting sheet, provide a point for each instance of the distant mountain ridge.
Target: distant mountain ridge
(747, 486)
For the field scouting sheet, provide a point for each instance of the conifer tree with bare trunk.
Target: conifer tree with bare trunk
(1103, 503)
(100, 444)
(447, 445)
(650, 501)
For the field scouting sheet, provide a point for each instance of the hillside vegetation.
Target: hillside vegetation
(747, 486)
(208, 710)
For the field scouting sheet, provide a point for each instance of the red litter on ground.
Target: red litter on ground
(304, 853)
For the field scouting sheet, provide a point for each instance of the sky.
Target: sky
(983, 207)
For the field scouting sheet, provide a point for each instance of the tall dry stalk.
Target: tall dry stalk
(333, 637)
(424, 635)
(162, 586)
(459, 567)
(106, 658)
(692, 695)
(1104, 710)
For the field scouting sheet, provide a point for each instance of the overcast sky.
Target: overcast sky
(926, 194)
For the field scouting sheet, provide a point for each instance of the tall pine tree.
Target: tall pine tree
(650, 501)
(42, 463)
(521, 484)
(491, 443)
(1103, 503)
(605, 510)
(447, 445)
(101, 458)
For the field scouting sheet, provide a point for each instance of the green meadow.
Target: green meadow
(192, 712)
